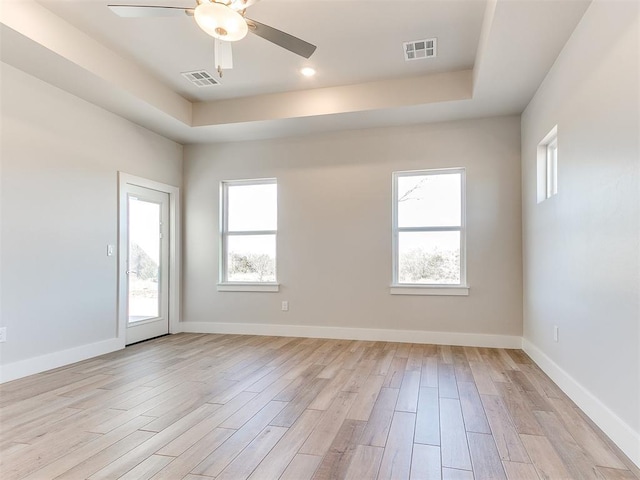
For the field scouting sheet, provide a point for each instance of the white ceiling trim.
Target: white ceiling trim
(511, 61)
(42, 27)
(426, 89)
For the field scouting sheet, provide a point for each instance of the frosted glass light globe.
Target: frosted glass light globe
(221, 22)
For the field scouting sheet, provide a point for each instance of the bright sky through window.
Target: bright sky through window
(428, 227)
(250, 211)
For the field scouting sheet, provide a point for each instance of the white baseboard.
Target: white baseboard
(369, 334)
(30, 366)
(627, 439)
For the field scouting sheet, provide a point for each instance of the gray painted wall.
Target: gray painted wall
(60, 157)
(581, 247)
(334, 243)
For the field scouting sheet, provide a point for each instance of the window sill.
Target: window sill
(248, 287)
(444, 290)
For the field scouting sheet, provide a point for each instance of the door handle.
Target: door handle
(129, 272)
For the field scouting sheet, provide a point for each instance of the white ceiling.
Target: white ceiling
(492, 56)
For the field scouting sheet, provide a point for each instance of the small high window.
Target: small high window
(548, 166)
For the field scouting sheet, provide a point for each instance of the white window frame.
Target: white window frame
(398, 288)
(224, 284)
(552, 167)
(547, 166)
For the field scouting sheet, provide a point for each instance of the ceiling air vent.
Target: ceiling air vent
(420, 49)
(201, 78)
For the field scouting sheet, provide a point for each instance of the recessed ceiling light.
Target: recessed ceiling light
(308, 72)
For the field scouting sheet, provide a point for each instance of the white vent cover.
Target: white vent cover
(201, 78)
(420, 49)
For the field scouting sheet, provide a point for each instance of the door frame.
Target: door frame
(125, 179)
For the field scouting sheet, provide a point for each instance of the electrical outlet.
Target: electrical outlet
(285, 306)
(555, 333)
(3, 334)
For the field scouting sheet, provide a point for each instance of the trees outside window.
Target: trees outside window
(248, 231)
(428, 227)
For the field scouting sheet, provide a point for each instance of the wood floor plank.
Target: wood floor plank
(425, 463)
(484, 457)
(429, 375)
(337, 460)
(396, 461)
(520, 471)
(504, 432)
(242, 415)
(590, 442)
(103, 458)
(329, 391)
(88, 450)
(456, 474)
(472, 354)
(461, 365)
(377, 428)
(578, 462)
(147, 469)
(547, 462)
(615, 474)
(359, 376)
(475, 419)
(447, 386)
(396, 373)
(529, 391)
(481, 375)
(302, 467)
(519, 408)
(323, 435)
(453, 438)
(242, 466)
(294, 409)
(202, 406)
(428, 417)
(519, 357)
(383, 362)
(223, 455)
(185, 440)
(409, 390)
(22, 462)
(365, 463)
(123, 464)
(366, 399)
(541, 382)
(191, 457)
(276, 462)
(446, 354)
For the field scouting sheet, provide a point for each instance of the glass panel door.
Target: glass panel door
(147, 264)
(144, 259)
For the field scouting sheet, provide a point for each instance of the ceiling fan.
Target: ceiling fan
(223, 20)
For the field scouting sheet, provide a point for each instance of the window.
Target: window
(249, 225)
(552, 167)
(548, 166)
(429, 232)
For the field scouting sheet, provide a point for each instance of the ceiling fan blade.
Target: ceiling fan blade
(282, 39)
(137, 11)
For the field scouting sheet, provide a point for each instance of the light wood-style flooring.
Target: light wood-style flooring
(231, 407)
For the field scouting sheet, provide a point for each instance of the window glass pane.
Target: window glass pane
(252, 207)
(144, 259)
(251, 258)
(429, 200)
(429, 257)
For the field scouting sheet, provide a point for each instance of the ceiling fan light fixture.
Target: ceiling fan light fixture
(220, 21)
